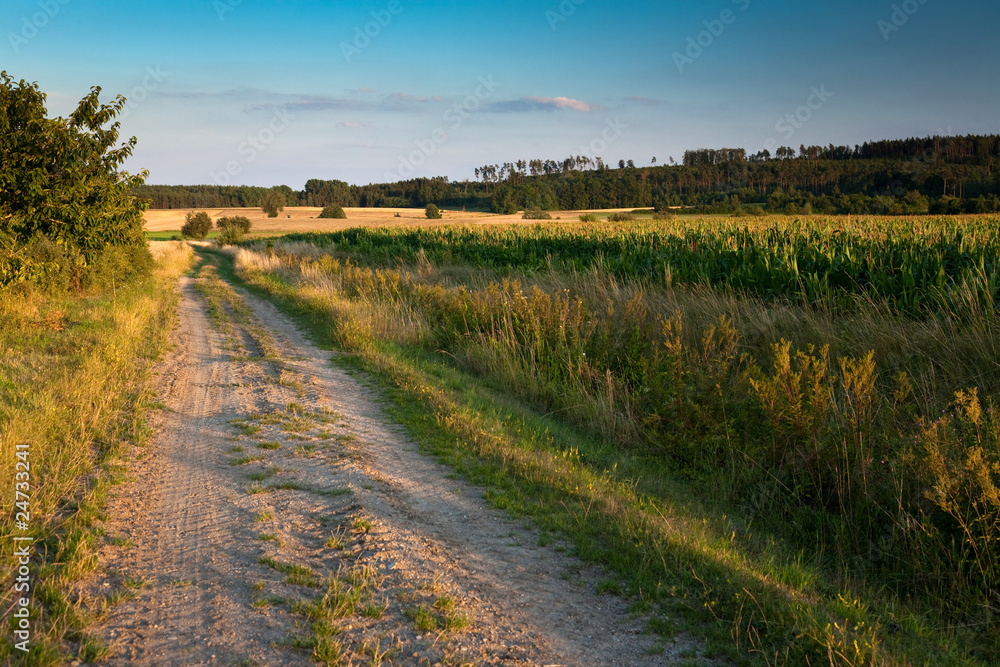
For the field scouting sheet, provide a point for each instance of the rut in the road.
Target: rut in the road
(278, 518)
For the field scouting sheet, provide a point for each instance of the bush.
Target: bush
(239, 223)
(664, 215)
(433, 212)
(196, 226)
(589, 217)
(536, 214)
(621, 217)
(334, 212)
(230, 236)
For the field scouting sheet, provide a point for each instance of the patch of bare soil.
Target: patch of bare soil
(278, 518)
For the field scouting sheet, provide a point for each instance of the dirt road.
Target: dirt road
(278, 518)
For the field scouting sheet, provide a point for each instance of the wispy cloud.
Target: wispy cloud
(528, 104)
(645, 101)
(352, 124)
(361, 99)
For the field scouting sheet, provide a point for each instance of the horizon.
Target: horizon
(264, 94)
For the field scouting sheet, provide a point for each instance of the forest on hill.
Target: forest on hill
(946, 175)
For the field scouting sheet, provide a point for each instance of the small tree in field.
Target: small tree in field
(433, 212)
(273, 204)
(333, 211)
(196, 225)
(240, 223)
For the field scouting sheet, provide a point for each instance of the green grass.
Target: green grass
(74, 386)
(671, 537)
(174, 236)
(298, 575)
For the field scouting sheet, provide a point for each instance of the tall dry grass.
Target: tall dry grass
(866, 437)
(74, 371)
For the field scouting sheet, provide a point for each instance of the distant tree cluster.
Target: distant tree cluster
(936, 174)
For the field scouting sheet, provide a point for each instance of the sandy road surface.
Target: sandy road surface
(331, 486)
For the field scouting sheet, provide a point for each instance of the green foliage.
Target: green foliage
(334, 211)
(238, 223)
(196, 225)
(273, 203)
(621, 217)
(536, 214)
(914, 267)
(589, 217)
(59, 179)
(433, 212)
(230, 236)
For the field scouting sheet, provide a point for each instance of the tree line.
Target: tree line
(933, 174)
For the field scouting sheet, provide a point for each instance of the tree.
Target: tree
(334, 211)
(240, 223)
(273, 203)
(196, 225)
(433, 212)
(60, 178)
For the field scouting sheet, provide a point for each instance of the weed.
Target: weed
(244, 460)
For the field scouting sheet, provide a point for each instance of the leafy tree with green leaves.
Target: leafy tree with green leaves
(60, 178)
(335, 211)
(196, 225)
(240, 223)
(433, 212)
(273, 204)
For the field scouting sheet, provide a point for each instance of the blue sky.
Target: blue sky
(269, 92)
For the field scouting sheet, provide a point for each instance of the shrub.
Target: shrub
(664, 215)
(536, 214)
(589, 217)
(621, 217)
(239, 223)
(196, 226)
(273, 203)
(334, 211)
(230, 236)
(433, 212)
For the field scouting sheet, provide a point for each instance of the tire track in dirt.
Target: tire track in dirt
(337, 463)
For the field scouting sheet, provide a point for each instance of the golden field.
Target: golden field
(306, 218)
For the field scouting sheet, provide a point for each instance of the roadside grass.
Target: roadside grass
(75, 371)
(688, 556)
